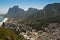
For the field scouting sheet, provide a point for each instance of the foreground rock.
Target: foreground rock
(52, 32)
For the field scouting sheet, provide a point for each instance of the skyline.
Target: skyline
(24, 4)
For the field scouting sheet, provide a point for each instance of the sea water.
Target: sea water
(1, 19)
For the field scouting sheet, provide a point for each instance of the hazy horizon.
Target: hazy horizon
(24, 4)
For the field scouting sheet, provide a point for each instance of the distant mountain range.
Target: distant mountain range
(32, 13)
(17, 12)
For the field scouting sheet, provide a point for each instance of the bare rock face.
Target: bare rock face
(52, 32)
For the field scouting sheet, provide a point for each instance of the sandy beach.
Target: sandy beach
(5, 19)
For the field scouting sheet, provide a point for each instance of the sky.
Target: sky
(24, 4)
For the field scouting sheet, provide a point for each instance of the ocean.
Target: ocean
(1, 19)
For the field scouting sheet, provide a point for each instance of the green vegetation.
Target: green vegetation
(7, 34)
(40, 24)
(37, 19)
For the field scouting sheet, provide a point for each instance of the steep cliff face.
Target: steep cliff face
(15, 12)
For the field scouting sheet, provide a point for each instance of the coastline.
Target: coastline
(5, 19)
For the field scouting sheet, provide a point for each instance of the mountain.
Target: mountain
(16, 12)
(30, 11)
(52, 9)
(42, 18)
(48, 11)
(36, 15)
